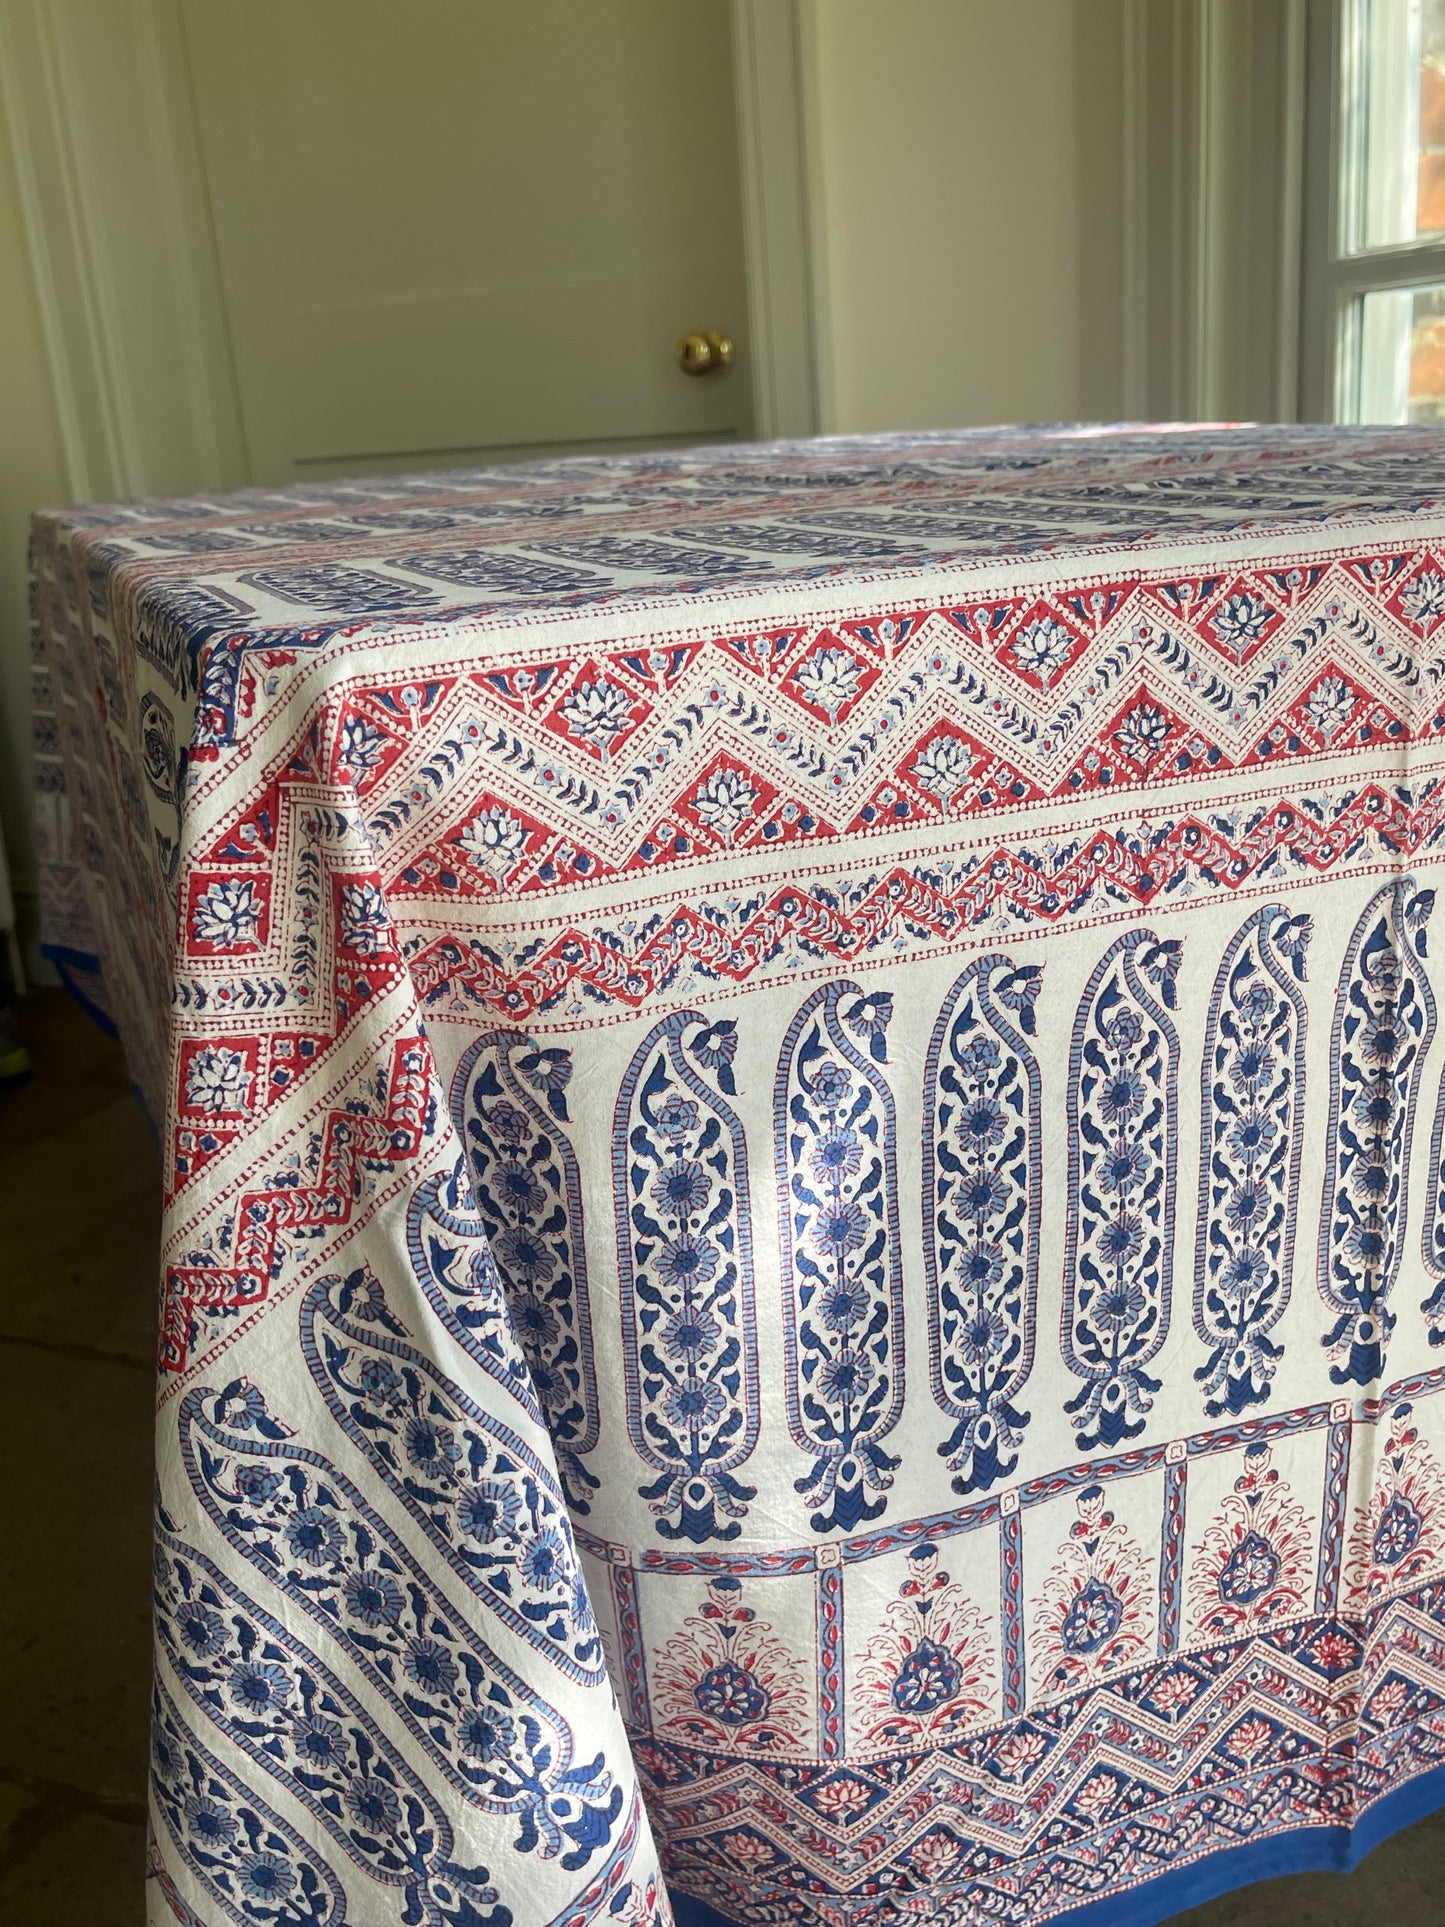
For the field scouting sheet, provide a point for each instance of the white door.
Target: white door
(460, 231)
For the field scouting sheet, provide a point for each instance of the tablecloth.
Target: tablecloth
(800, 1087)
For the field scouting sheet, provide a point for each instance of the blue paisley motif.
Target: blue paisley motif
(685, 1272)
(730, 1693)
(1251, 1135)
(158, 748)
(837, 1162)
(982, 1159)
(253, 1866)
(1123, 1129)
(310, 1532)
(1384, 1024)
(1432, 1237)
(1397, 1533)
(1093, 1618)
(528, 1196)
(501, 574)
(341, 590)
(1249, 1571)
(452, 1259)
(489, 1505)
(928, 1678)
(275, 1701)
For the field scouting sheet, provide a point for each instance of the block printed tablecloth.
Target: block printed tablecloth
(801, 1096)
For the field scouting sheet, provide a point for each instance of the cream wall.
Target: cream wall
(32, 475)
(966, 165)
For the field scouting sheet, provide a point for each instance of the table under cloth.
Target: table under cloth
(801, 1101)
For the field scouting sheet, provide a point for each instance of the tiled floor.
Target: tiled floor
(79, 1201)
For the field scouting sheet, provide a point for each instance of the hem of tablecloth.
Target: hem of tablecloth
(67, 963)
(1303, 1850)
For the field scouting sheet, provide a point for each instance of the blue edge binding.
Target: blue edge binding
(74, 967)
(1302, 1850)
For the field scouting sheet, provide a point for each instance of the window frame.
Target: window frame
(1339, 269)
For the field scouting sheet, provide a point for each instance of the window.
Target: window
(1383, 271)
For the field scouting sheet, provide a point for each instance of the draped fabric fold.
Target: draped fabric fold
(802, 1110)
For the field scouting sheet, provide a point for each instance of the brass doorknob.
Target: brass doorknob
(707, 354)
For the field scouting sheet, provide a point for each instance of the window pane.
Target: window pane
(1400, 108)
(1402, 355)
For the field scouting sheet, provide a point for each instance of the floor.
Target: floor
(79, 1204)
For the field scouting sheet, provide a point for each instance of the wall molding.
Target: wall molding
(1289, 296)
(1134, 136)
(203, 336)
(40, 124)
(121, 252)
(1208, 60)
(771, 110)
(1213, 178)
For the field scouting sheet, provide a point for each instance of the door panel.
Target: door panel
(470, 228)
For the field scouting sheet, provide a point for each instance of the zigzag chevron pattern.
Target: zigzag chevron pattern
(1091, 1797)
(575, 771)
(349, 1141)
(929, 944)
